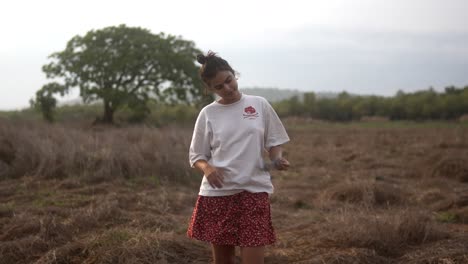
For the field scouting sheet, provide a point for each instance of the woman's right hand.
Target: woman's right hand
(214, 177)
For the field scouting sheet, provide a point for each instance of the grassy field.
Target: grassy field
(356, 193)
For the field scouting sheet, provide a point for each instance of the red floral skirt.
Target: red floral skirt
(242, 219)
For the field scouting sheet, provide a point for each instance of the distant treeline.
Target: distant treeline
(274, 95)
(420, 105)
(87, 114)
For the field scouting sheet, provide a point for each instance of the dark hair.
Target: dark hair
(211, 65)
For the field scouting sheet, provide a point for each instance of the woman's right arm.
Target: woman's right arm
(212, 174)
(200, 152)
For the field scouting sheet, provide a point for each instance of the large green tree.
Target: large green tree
(123, 66)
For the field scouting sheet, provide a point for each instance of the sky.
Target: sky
(361, 46)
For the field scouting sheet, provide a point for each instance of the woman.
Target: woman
(229, 139)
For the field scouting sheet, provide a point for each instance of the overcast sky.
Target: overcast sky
(361, 46)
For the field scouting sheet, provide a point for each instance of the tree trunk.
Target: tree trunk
(108, 117)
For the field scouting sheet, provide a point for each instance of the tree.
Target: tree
(310, 105)
(125, 66)
(45, 100)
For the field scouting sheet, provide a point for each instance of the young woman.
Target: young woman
(229, 139)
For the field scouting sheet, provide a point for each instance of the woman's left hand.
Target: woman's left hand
(281, 164)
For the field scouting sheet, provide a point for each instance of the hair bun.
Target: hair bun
(201, 58)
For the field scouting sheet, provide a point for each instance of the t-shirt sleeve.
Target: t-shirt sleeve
(200, 144)
(275, 133)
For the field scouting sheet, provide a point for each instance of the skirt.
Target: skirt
(242, 219)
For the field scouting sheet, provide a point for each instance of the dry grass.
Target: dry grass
(463, 118)
(123, 195)
(364, 192)
(452, 167)
(97, 154)
(451, 251)
(375, 119)
(388, 233)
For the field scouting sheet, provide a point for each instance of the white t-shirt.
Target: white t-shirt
(233, 138)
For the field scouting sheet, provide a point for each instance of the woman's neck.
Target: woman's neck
(231, 100)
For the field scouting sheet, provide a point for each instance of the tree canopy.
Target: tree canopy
(123, 66)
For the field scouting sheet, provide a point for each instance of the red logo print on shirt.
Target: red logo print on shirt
(250, 110)
(250, 113)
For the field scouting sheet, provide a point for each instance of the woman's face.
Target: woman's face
(224, 84)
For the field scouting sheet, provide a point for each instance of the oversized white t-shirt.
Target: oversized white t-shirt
(233, 138)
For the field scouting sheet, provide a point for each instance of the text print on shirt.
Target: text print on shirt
(250, 113)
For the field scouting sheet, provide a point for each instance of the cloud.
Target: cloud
(312, 58)
(361, 46)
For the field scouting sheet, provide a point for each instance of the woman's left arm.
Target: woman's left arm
(276, 156)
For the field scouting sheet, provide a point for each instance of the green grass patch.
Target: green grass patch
(446, 217)
(6, 209)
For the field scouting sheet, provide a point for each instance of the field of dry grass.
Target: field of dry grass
(355, 194)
